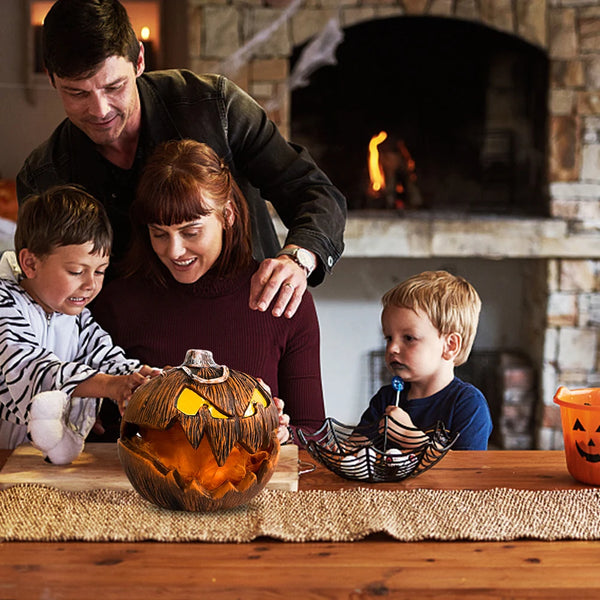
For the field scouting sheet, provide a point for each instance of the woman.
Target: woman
(187, 281)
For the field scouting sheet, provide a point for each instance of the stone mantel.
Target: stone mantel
(425, 235)
(428, 235)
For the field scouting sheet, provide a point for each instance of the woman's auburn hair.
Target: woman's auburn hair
(175, 183)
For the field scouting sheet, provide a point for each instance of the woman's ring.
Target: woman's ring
(288, 284)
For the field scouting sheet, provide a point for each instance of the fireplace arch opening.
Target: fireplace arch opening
(463, 108)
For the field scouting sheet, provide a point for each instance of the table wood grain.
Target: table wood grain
(375, 567)
(98, 467)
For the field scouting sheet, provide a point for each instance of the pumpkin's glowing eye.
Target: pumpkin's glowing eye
(578, 426)
(189, 403)
(257, 398)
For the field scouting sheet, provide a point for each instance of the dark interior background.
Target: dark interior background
(468, 102)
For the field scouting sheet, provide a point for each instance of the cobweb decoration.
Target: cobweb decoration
(232, 64)
(320, 51)
(377, 454)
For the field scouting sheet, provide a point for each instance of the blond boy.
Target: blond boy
(429, 323)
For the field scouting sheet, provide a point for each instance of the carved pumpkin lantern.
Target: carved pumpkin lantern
(580, 417)
(199, 437)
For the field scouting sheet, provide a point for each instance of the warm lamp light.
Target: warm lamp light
(144, 16)
(148, 47)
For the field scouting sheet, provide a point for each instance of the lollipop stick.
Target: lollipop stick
(385, 434)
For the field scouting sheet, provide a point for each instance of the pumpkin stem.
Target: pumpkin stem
(199, 359)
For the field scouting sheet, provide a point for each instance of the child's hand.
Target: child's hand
(149, 372)
(121, 387)
(399, 415)
(408, 438)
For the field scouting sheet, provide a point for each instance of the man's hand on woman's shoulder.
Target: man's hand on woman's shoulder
(281, 280)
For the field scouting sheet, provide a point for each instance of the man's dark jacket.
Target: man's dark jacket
(179, 104)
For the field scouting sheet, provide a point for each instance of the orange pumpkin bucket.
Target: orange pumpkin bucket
(580, 417)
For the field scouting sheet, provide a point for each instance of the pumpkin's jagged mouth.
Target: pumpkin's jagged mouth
(593, 458)
(173, 457)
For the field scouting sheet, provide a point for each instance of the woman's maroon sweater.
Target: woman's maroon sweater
(157, 325)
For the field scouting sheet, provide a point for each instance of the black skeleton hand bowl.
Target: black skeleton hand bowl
(377, 454)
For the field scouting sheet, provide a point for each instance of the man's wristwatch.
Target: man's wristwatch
(302, 257)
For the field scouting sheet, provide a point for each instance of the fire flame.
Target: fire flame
(375, 171)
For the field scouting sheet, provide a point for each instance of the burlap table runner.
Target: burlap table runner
(32, 512)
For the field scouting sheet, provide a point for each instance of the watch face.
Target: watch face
(303, 257)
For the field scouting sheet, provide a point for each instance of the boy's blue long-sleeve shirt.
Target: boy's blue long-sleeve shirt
(460, 406)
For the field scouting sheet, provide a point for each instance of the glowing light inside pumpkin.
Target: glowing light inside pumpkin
(189, 403)
(175, 453)
(257, 398)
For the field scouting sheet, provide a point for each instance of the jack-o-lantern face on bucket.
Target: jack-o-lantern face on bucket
(587, 443)
(199, 437)
(580, 417)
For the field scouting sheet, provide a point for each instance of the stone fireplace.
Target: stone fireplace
(462, 111)
(544, 211)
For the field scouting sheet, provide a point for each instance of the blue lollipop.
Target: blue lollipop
(398, 385)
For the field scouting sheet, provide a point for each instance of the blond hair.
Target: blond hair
(450, 302)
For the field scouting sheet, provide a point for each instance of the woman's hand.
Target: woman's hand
(281, 277)
(283, 433)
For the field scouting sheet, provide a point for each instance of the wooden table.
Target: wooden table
(375, 567)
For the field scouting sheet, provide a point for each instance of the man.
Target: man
(117, 114)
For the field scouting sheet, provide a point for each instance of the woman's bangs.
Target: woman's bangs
(172, 206)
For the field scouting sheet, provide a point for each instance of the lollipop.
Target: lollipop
(398, 385)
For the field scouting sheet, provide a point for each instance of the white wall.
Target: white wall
(26, 118)
(348, 305)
